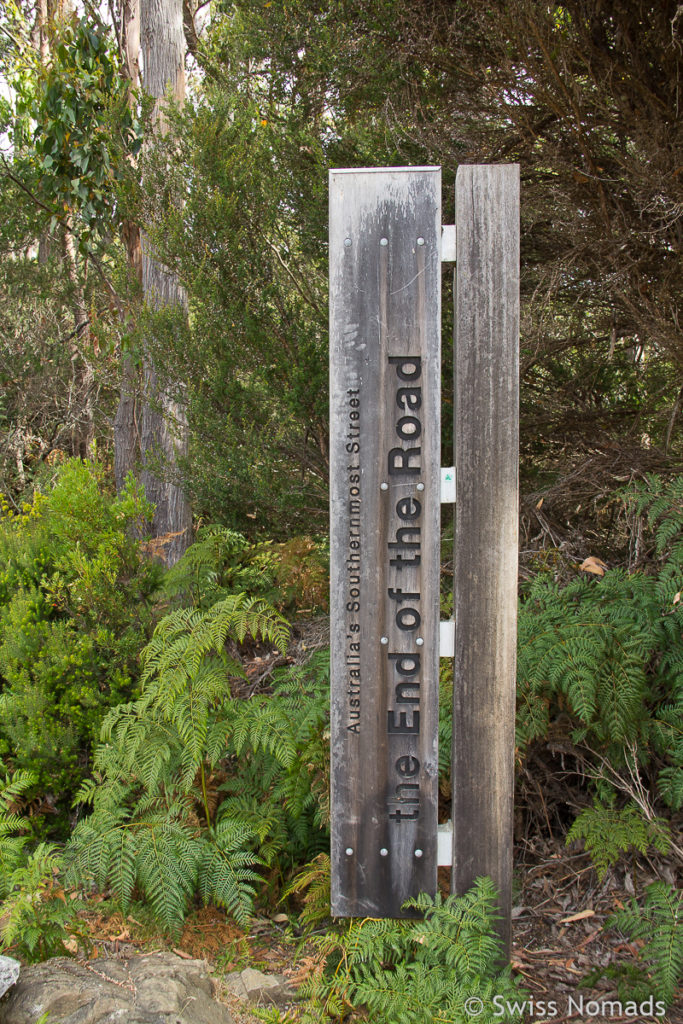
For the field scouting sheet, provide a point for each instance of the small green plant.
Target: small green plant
(608, 832)
(13, 825)
(658, 926)
(314, 881)
(418, 971)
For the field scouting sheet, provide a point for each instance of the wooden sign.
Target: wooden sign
(486, 432)
(385, 230)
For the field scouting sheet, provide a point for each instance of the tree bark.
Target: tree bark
(163, 428)
(83, 392)
(126, 433)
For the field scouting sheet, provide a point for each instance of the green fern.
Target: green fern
(605, 656)
(418, 972)
(38, 918)
(155, 827)
(226, 868)
(659, 926)
(151, 771)
(608, 832)
(314, 880)
(13, 826)
(219, 562)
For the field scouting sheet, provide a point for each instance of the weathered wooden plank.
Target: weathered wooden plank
(385, 228)
(486, 458)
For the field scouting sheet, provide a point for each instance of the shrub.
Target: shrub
(74, 612)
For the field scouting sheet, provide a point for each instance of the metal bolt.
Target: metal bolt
(384, 639)
(384, 487)
(418, 853)
(349, 851)
(419, 641)
(420, 241)
(347, 242)
(384, 241)
(384, 852)
(420, 487)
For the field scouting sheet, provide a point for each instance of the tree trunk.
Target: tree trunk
(83, 391)
(126, 432)
(163, 429)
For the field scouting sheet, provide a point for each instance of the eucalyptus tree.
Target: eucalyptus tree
(163, 427)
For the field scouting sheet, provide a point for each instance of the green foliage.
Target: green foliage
(74, 610)
(602, 658)
(74, 128)
(418, 972)
(314, 880)
(151, 771)
(158, 822)
(13, 826)
(37, 916)
(219, 562)
(193, 789)
(608, 832)
(658, 925)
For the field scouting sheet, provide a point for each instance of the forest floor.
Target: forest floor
(558, 938)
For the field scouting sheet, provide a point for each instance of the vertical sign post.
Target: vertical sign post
(486, 511)
(385, 230)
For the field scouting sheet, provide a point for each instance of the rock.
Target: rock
(9, 972)
(260, 988)
(157, 989)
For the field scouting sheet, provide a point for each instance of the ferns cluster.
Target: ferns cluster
(419, 971)
(193, 791)
(606, 654)
(219, 562)
(37, 919)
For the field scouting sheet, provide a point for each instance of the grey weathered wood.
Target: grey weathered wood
(486, 458)
(384, 302)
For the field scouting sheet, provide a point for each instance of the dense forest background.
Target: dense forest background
(233, 204)
(164, 438)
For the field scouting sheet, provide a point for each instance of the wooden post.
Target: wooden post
(486, 518)
(385, 228)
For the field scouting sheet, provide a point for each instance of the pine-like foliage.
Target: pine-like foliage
(659, 926)
(608, 832)
(605, 655)
(419, 972)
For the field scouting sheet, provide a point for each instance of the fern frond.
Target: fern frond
(659, 925)
(226, 869)
(608, 832)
